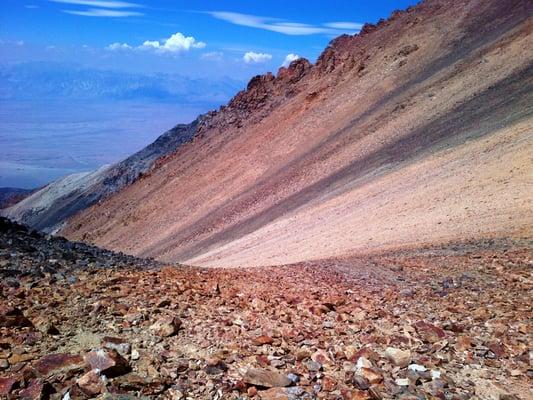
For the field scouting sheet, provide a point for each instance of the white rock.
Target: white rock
(417, 368)
(363, 362)
(435, 374)
(135, 355)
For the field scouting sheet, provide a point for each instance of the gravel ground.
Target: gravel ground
(441, 323)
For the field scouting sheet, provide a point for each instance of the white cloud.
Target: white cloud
(177, 43)
(119, 46)
(285, 27)
(355, 26)
(290, 58)
(212, 56)
(102, 8)
(99, 12)
(253, 58)
(99, 3)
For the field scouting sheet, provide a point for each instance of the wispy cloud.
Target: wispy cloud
(119, 46)
(12, 42)
(255, 58)
(344, 25)
(177, 43)
(100, 12)
(212, 56)
(102, 8)
(99, 3)
(285, 27)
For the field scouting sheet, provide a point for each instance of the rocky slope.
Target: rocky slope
(48, 208)
(10, 196)
(416, 131)
(77, 322)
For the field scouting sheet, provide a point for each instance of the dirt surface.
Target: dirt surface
(417, 131)
(438, 323)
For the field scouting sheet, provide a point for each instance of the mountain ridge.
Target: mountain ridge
(47, 208)
(407, 93)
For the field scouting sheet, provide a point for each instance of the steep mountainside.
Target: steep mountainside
(10, 196)
(49, 207)
(416, 131)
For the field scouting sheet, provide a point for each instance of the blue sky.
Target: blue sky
(207, 38)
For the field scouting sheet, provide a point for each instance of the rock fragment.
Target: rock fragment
(36, 390)
(118, 344)
(13, 317)
(91, 383)
(400, 358)
(263, 339)
(429, 332)
(166, 326)
(265, 378)
(109, 362)
(56, 364)
(6, 385)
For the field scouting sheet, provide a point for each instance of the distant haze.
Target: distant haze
(57, 119)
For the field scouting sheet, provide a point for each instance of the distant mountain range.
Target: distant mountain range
(57, 119)
(37, 80)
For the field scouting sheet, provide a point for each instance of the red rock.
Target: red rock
(166, 326)
(91, 383)
(263, 339)
(252, 391)
(109, 362)
(7, 385)
(329, 384)
(372, 375)
(20, 358)
(364, 352)
(13, 317)
(262, 360)
(366, 369)
(463, 343)
(36, 390)
(265, 378)
(55, 364)
(273, 394)
(497, 349)
(429, 332)
(321, 357)
(302, 354)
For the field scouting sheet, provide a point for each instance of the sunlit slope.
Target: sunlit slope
(417, 131)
